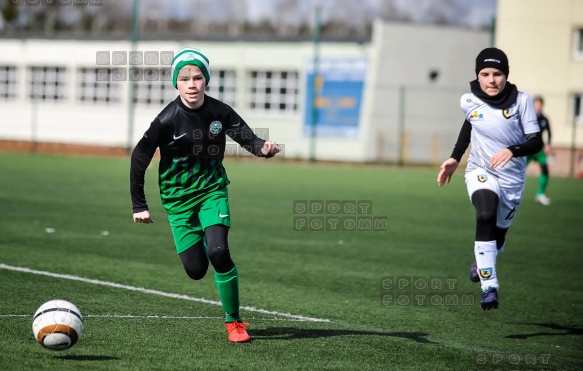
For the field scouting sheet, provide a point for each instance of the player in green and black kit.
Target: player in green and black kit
(541, 157)
(191, 134)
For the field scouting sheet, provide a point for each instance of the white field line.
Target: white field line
(159, 317)
(160, 293)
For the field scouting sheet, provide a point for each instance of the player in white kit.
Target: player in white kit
(502, 128)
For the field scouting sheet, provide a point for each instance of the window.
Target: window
(222, 86)
(273, 91)
(578, 108)
(48, 83)
(578, 47)
(153, 86)
(96, 86)
(7, 82)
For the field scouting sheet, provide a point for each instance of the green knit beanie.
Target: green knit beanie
(190, 56)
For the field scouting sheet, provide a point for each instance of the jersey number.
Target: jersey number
(511, 214)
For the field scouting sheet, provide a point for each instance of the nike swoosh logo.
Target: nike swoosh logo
(223, 216)
(178, 137)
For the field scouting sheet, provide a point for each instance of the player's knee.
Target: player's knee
(486, 216)
(219, 255)
(196, 273)
(545, 169)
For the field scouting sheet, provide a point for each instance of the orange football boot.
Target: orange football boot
(237, 333)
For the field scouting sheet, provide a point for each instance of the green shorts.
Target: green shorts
(188, 227)
(540, 157)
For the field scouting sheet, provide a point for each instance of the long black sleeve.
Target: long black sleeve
(463, 141)
(532, 145)
(140, 160)
(241, 133)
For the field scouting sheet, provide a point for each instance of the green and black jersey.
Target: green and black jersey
(544, 125)
(192, 146)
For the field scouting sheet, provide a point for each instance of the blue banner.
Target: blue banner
(338, 97)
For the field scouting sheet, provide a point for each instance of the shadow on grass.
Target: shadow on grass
(567, 331)
(87, 358)
(286, 333)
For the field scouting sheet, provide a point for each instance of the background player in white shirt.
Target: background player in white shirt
(501, 125)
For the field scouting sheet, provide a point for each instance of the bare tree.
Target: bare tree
(288, 18)
(200, 21)
(388, 10)
(10, 13)
(236, 19)
(50, 16)
(283, 18)
(447, 11)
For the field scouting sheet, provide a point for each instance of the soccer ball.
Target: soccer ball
(57, 324)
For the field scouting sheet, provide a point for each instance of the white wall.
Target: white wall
(405, 103)
(70, 121)
(538, 36)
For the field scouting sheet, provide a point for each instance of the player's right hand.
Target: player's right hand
(447, 169)
(143, 217)
(548, 149)
(270, 148)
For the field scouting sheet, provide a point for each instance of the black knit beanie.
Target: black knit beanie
(494, 58)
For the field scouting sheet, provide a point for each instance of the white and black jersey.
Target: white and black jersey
(493, 129)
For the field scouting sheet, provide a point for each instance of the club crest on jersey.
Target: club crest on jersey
(482, 178)
(476, 116)
(509, 112)
(216, 127)
(485, 273)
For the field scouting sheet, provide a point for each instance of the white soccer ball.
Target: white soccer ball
(57, 324)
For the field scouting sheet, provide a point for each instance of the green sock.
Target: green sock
(543, 180)
(228, 286)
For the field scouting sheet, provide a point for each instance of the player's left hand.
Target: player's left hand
(143, 217)
(270, 148)
(501, 158)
